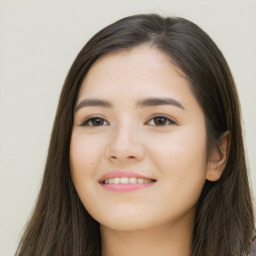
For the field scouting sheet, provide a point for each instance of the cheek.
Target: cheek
(181, 161)
(84, 156)
(184, 148)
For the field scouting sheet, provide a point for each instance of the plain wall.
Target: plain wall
(39, 41)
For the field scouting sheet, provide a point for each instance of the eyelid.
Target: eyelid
(89, 118)
(171, 120)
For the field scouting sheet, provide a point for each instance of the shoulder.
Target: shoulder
(253, 250)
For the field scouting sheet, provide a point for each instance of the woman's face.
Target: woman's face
(136, 118)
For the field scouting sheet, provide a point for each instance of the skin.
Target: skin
(157, 220)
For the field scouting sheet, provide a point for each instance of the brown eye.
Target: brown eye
(96, 121)
(161, 121)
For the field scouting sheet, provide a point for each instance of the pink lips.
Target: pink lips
(125, 187)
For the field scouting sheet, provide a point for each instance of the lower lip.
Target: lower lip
(126, 187)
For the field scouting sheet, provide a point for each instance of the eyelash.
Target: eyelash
(85, 123)
(169, 120)
(91, 118)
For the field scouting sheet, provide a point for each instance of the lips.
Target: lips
(123, 181)
(123, 174)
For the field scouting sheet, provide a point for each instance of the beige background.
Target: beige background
(38, 42)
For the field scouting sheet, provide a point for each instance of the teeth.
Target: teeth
(140, 181)
(132, 180)
(125, 180)
(117, 181)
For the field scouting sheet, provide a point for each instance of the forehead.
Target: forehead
(142, 67)
(125, 79)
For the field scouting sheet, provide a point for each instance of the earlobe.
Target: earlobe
(218, 157)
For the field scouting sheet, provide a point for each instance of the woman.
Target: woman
(146, 154)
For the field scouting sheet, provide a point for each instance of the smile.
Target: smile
(126, 180)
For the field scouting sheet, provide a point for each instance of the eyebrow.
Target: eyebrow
(159, 101)
(93, 103)
(149, 102)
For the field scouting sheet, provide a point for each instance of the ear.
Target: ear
(218, 157)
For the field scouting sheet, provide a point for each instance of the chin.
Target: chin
(127, 224)
(129, 220)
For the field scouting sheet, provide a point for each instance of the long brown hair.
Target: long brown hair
(224, 220)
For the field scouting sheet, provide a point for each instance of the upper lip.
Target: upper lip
(120, 174)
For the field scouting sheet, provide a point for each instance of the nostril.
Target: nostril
(129, 157)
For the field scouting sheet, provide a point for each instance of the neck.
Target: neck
(171, 239)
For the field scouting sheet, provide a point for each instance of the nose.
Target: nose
(124, 145)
